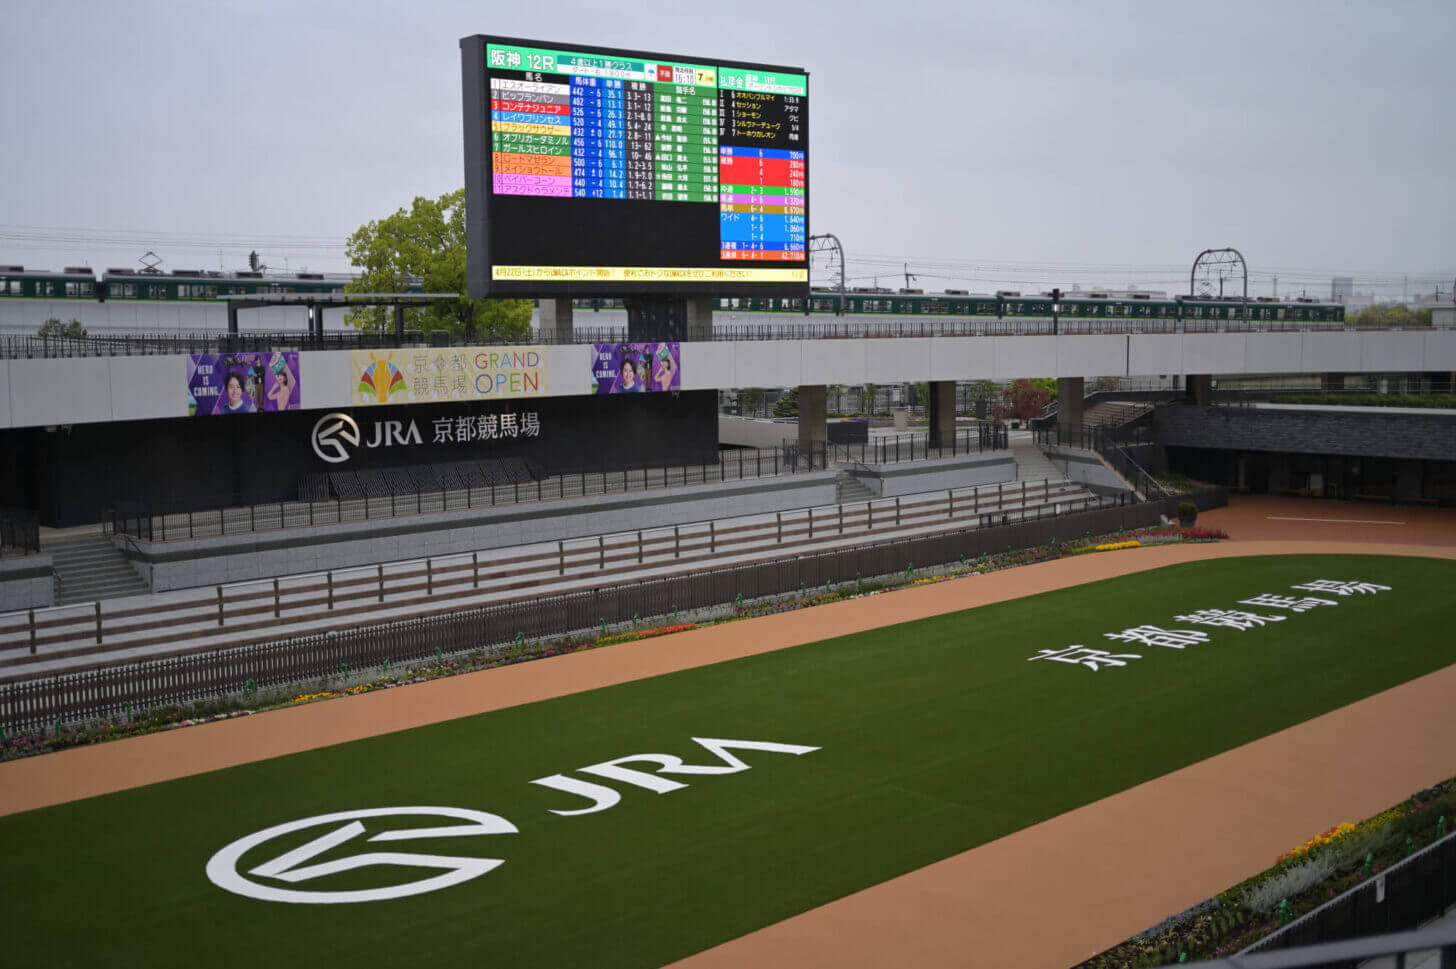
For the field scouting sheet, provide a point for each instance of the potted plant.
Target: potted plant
(1187, 513)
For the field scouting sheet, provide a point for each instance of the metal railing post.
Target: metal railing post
(219, 605)
(561, 554)
(429, 576)
(602, 549)
(381, 583)
(32, 632)
(98, 622)
(331, 590)
(475, 569)
(278, 606)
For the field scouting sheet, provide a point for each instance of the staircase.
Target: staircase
(90, 568)
(1115, 413)
(848, 488)
(1032, 465)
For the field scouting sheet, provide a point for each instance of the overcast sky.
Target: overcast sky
(987, 144)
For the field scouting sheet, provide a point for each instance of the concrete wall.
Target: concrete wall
(261, 555)
(42, 392)
(755, 431)
(908, 478)
(1383, 432)
(1085, 467)
(26, 583)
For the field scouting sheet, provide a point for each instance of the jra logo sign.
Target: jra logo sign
(299, 865)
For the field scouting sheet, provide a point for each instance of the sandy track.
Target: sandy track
(989, 902)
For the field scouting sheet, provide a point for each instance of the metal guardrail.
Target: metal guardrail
(19, 531)
(203, 341)
(736, 465)
(1440, 939)
(210, 522)
(898, 448)
(103, 692)
(1408, 893)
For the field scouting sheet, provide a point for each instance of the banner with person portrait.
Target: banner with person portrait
(628, 368)
(242, 383)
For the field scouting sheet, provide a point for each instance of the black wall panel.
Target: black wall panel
(71, 474)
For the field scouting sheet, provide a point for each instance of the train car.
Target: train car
(1104, 306)
(74, 282)
(193, 285)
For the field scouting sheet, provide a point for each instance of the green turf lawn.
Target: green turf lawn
(936, 736)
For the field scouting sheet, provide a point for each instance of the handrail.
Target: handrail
(123, 343)
(151, 525)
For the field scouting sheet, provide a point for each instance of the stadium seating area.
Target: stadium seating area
(415, 479)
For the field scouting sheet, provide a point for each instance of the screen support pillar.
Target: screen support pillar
(813, 425)
(656, 319)
(399, 322)
(941, 409)
(555, 318)
(700, 319)
(1198, 388)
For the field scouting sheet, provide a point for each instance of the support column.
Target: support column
(813, 425)
(941, 409)
(555, 317)
(399, 323)
(700, 319)
(232, 306)
(1332, 383)
(1198, 388)
(1070, 391)
(653, 319)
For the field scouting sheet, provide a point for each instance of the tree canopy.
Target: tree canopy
(427, 242)
(1395, 315)
(53, 327)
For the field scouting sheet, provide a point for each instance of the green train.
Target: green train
(81, 283)
(179, 285)
(1076, 305)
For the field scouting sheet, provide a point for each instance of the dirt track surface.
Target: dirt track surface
(1097, 874)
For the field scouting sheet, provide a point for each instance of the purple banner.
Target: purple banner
(241, 383)
(629, 368)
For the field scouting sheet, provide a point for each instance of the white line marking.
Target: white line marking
(1343, 521)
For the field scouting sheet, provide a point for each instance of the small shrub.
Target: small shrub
(1264, 897)
(1187, 509)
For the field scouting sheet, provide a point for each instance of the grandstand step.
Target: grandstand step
(90, 568)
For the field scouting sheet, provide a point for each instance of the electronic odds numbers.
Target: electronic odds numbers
(613, 173)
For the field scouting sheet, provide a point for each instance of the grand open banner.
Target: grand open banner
(443, 374)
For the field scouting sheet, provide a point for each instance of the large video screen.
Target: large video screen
(595, 172)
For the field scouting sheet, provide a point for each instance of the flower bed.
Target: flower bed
(1300, 880)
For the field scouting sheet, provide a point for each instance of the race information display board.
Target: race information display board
(610, 173)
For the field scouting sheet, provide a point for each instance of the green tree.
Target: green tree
(55, 328)
(788, 404)
(750, 399)
(869, 400)
(1370, 316)
(426, 242)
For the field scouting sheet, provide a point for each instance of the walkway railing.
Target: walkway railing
(157, 526)
(897, 448)
(19, 531)
(104, 344)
